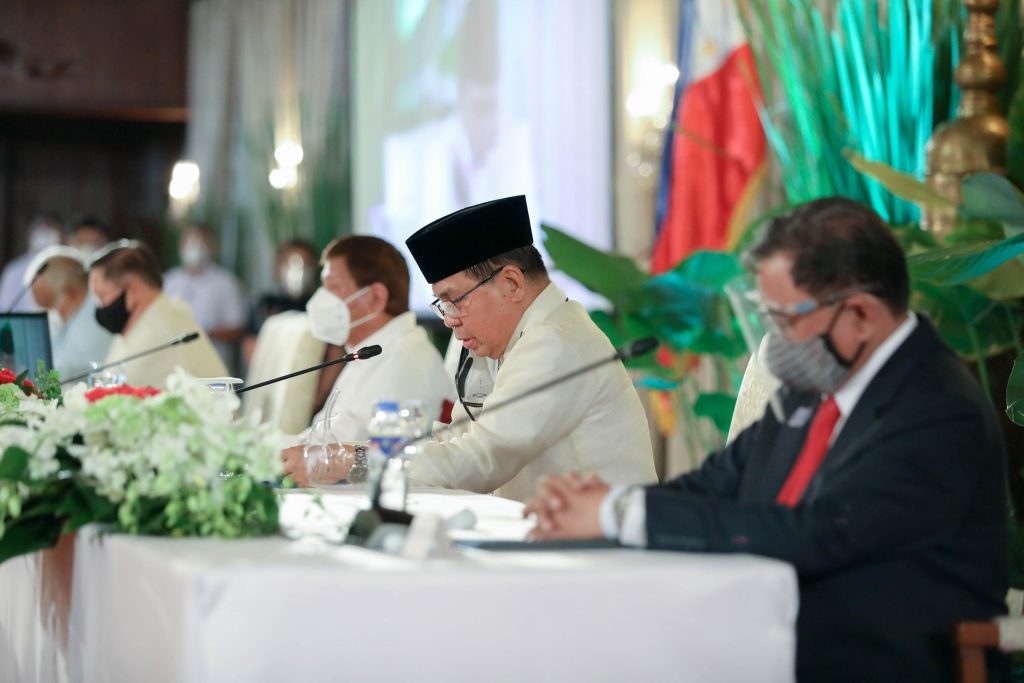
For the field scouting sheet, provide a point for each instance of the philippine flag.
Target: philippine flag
(714, 155)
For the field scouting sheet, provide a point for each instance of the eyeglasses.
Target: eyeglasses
(451, 308)
(787, 315)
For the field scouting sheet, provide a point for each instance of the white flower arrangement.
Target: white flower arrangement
(175, 462)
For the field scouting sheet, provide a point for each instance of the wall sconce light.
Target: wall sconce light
(184, 187)
(285, 175)
(649, 105)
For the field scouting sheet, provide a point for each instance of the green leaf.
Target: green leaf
(900, 184)
(962, 262)
(972, 324)
(611, 275)
(82, 505)
(25, 536)
(1015, 392)
(993, 197)
(913, 239)
(718, 407)
(646, 363)
(710, 269)
(1005, 283)
(14, 464)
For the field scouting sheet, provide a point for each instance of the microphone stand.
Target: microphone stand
(183, 339)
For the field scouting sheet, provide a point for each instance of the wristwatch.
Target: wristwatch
(620, 506)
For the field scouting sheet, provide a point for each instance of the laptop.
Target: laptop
(24, 341)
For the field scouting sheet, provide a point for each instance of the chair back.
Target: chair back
(285, 344)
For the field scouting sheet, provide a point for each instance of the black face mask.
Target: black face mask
(114, 317)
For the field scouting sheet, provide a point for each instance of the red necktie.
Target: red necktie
(813, 453)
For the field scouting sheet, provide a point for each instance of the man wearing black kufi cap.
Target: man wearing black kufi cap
(493, 291)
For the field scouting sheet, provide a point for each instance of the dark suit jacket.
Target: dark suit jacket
(902, 531)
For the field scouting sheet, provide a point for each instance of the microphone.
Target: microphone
(361, 354)
(623, 353)
(183, 339)
(379, 514)
(26, 288)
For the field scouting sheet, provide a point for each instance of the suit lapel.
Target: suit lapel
(879, 395)
(767, 471)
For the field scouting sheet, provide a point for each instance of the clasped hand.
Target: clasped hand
(568, 506)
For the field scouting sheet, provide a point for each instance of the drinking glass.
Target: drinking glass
(114, 376)
(327, 460)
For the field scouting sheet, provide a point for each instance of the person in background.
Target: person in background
(62, 288)
(883, 483)
(296, 274)
(364, 300)
(127, 281)
(89, 235)
(43, 231)
(213, 292)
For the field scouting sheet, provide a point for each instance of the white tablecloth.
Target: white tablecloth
(271, 609)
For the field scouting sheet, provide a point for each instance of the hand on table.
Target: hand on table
(568, 507)
(334, 470)
(295, 465)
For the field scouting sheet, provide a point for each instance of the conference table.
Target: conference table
(304, 607)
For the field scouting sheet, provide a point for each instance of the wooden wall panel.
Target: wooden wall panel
(116, 58)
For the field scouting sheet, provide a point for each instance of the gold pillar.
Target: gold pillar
(976, 140)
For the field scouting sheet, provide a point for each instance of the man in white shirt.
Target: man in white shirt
(493, 292)
(62, 288)
(212, 292)
(364, 300)
(126, 280)
(884, 482)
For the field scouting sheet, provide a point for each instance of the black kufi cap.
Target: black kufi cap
(470, 236)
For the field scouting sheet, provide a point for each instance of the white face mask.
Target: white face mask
(41, 238)
(296, 277)
(330, 318)
(194, 254)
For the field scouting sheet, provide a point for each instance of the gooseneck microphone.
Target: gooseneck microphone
(623, 353)
(26, 288)
(361, 354)
(183, 339)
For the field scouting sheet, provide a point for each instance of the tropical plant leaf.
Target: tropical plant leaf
(646, 363)
(14, 463)
(1015, 392)
(913, 239)
(611, 275)
(709, 269)
(718, 407)
(975, 326)
(1005, 283)
(962, 262)
(992, 197)
(974, 230)
(902, 185)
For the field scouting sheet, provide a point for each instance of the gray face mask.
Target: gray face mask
(809, 365)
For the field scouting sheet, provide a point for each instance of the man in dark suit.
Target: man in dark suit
(883, 484)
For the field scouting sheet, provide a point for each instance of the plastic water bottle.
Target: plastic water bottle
(392, 483)
(385, 432)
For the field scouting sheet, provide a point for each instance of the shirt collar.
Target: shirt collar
(548, 300)
(849, 394)
(395, 328)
